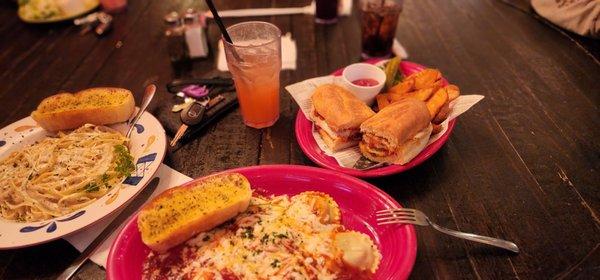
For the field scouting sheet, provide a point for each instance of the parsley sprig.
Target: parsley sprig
(124, 161)
(123, 167)
(91, 187)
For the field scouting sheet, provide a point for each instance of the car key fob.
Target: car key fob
(193, 114)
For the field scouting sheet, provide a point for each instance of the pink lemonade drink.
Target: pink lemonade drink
(254, 60)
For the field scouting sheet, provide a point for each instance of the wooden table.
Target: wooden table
(523, 165)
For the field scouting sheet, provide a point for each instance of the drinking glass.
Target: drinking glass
(379, 19)
(326, 11)
(254, 60)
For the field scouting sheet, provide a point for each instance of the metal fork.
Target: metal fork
(148, 95)
(416, 217)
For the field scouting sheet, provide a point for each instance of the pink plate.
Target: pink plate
(358, 201)
(310, 148)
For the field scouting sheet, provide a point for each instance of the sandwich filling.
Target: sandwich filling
(344, 134)
(396, 133)
(378, 146)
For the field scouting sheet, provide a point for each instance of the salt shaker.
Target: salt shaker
(194, 35)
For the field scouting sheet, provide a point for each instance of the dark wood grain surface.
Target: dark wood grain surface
(522, 165)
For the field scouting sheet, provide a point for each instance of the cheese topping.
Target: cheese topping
(276, 238)
(377, 145)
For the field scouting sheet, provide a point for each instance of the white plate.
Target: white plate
(148, 147)
(89, 6)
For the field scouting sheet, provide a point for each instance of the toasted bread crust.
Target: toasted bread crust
(399, 121)
(339, 107)
(161, 232)
(63, 111)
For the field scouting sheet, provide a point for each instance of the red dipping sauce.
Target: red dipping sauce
(365, 82)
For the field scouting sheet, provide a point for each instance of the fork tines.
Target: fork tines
(395, 216)
(394, 210)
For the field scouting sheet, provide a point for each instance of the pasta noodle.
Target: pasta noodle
(61, 174)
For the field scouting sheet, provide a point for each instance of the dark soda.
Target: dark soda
(379, 19)
(327, 11)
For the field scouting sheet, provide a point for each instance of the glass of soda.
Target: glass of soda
(326, 11)
(379, 19)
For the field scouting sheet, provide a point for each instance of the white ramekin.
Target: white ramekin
(358, 71)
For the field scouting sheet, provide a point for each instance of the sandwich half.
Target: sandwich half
(397, 133)
(337, 115)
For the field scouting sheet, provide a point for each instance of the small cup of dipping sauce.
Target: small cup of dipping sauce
(364, 80)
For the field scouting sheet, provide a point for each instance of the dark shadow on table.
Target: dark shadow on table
(590, 45)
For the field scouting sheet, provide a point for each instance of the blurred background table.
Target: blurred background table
(522, 165)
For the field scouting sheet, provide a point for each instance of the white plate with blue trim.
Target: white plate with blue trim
(148, 146)
(49, 12)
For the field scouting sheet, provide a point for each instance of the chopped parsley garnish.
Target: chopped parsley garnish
(247, 233)
(95, 185)
(124, 161)
(280, 235)
(105, 178)
(275, 263)
(264, 239)
(91, 187)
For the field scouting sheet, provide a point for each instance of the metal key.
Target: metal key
(193, 114)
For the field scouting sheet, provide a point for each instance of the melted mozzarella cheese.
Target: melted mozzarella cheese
(274, 239)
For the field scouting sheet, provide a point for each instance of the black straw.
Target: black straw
(217, 18)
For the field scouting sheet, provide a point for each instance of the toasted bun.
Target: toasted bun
(339, 107)
(97, 106)
(179, 213)
(405, 151)
(335, 143)
(399, 121)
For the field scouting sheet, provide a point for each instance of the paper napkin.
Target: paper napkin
(399, 50)
(80, 240)
(288, 54)
(302, 91)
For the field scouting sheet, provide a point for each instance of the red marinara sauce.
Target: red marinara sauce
(365, 82)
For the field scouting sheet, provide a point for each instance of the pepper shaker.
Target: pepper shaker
(175, 35)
